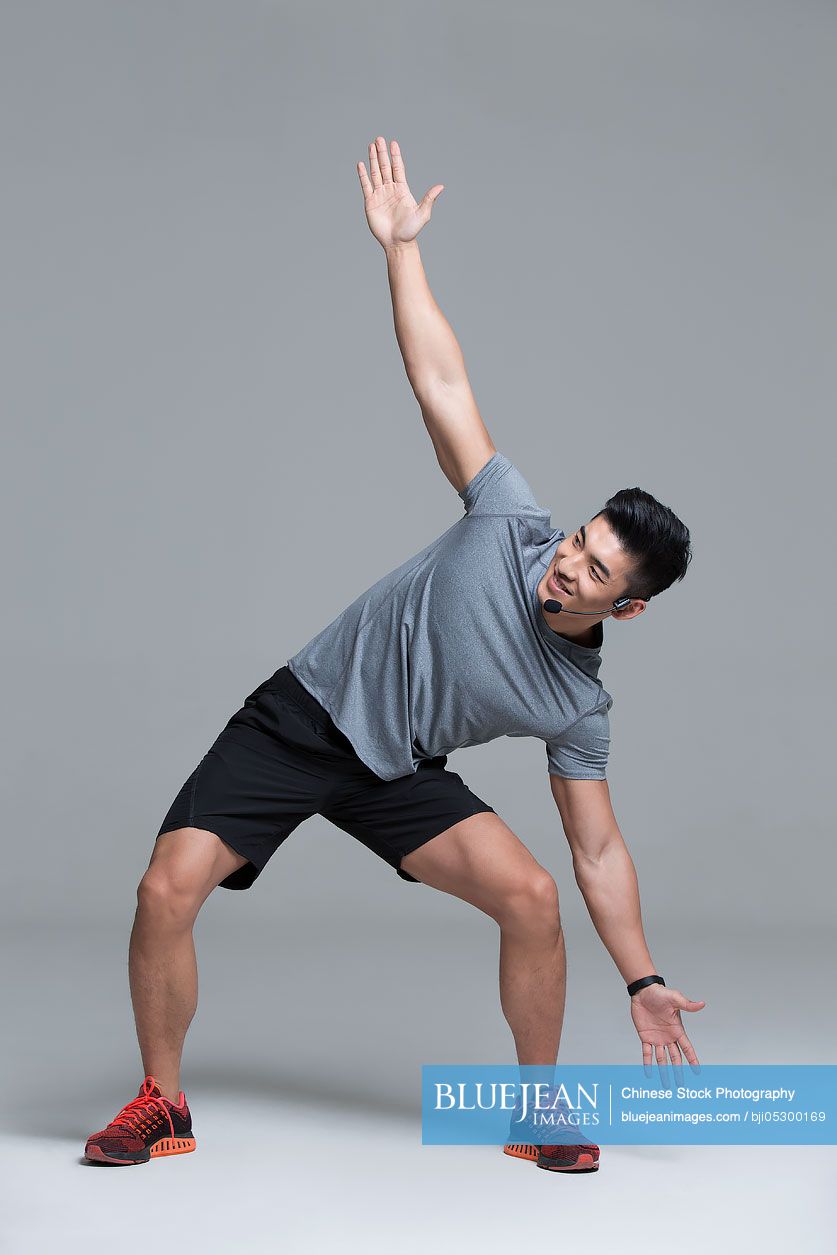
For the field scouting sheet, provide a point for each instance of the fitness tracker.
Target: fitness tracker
(636, 985)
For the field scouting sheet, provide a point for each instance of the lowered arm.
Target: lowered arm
(604, 872)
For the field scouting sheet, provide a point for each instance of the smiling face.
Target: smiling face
(592, 570)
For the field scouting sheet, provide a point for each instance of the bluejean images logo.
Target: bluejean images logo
(734, 1104)
(531, 1105)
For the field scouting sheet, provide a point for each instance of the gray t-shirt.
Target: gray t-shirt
(451, 648)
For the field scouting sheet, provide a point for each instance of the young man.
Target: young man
(494, 629)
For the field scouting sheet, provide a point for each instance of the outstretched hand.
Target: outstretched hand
(655, 1011)
(392, 213)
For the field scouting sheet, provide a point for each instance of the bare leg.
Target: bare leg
(163, 974)
(533, 986)
(483, 862)
(185, 867)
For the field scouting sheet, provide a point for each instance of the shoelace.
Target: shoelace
(139, 1112)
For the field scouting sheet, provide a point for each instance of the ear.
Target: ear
(630, 611)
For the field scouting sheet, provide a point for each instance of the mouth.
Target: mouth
(557, 587)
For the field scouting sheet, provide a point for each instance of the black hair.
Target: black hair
(653, 537)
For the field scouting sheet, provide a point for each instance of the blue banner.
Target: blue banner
(718, 1104)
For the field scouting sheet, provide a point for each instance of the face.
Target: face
(592, 570)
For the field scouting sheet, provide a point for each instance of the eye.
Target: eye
(596, 578)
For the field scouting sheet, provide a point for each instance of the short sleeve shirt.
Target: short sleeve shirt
(451, 648)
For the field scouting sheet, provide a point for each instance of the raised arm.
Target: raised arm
(432, 356)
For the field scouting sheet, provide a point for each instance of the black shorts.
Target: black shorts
(281, 759)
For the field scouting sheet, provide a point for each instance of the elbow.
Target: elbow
(594, 857)
(586, 870)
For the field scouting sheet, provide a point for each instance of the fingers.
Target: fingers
(380, 169)
(364, 180)
(689, 1052)
(399, 174)
(374, 168)
(430, 197)
(383, 158)
(650, 1052)
(662, 1064)
(688, 1004)
(379, 162)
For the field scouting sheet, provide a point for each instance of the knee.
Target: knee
(168, 897)
(532, 904)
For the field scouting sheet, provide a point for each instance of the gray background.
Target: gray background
(212, 447)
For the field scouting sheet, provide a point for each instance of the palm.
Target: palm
(658, 1026)
(393, 215)
(391, 210)
(655, 1012)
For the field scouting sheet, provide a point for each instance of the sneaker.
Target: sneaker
(575, 1154)
(148, 1126)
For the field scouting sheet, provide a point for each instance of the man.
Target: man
(494, 629)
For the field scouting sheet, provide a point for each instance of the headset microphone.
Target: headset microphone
(555, 607)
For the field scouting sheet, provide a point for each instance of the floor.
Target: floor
(302, 1069)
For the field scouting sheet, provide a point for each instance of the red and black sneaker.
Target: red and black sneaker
(148, 1126)
(575, 1153)
(581, 1157)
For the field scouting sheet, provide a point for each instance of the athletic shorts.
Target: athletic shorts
(282, 759)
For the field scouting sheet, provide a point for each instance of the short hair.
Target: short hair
(656, 541)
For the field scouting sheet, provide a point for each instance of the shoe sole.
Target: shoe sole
(166, 1146)
(524, 1150)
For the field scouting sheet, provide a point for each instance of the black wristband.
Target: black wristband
(636, 985)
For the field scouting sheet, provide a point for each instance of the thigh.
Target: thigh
(479, 860)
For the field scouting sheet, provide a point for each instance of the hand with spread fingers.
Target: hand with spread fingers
(392, 213)
(655, 1011)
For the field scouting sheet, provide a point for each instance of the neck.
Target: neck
(576, 630)
(583, 634)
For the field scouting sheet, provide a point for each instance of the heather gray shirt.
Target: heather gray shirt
(451, 648)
